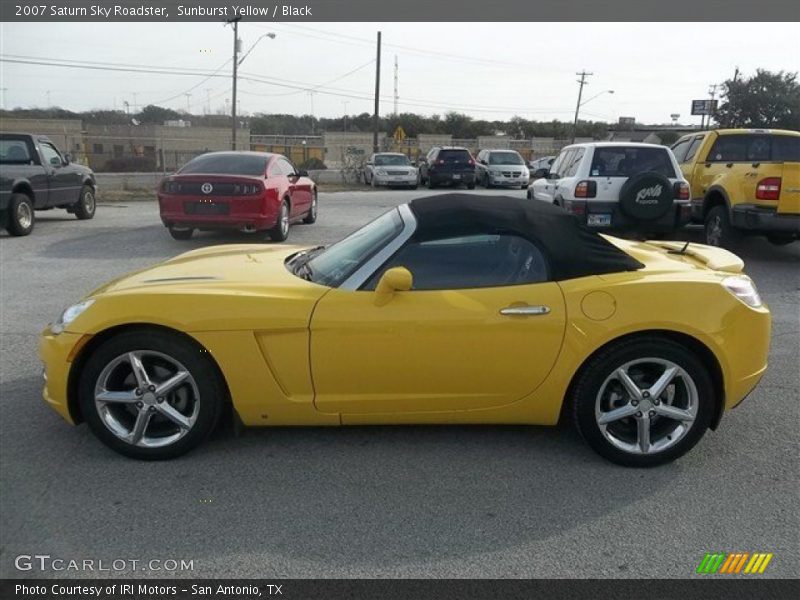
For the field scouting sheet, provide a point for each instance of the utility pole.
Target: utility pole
(208, 101)
(48, 99)
(396, 92)
(135, 105)
(3, 97)
(375, 147)
(582, 81)
(188, 102)
(235, 22)
(345, 115)
(712, 92)
(311, 95)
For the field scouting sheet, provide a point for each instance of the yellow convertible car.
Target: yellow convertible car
(449, 309)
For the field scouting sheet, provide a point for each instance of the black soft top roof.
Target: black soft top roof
(571, 249)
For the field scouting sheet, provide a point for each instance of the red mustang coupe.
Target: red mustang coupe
(247, 191)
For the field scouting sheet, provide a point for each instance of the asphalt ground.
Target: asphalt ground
(374, 501)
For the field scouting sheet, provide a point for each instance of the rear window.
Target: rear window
(454, 156)
(625, 161)
(14, 150)
(505, 158)
(227, 164)
(786, 148)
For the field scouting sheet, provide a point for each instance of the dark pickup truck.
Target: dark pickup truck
(34, 175)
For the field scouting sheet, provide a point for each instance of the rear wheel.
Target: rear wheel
(20, 217)
(280, 232)
(718, 228)
(86, 205)
(777, 239)
(151, 395)
(471, 186)
(181, 234)
(643, 402)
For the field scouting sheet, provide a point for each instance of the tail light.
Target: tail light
(440, 161)
(246, 189)
(682, 190)
(586, 189)
(768, 189)
(171, 187)
(576, 208)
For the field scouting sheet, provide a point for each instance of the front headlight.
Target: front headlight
(744, 289)
(69, 315)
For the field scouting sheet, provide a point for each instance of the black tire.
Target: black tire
(430, 184)
(280, 232)
(471, 186)
(529, 194)
(209, 384)
(600, 368)
(311, 216)
(646, 196)
(719, 231)
(776, 239)
(86, 205)
(413, 187)
(181, 234)
(20, 217)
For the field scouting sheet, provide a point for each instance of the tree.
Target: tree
(157, 114)
(766, 99)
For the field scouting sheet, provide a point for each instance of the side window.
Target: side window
(680, 149)
(571, 167)
(286, 167)
(758, 148)
(14, 151)
(274, 169)
(472, 261)
(50, 155)
(558, 164)
(729, 148)
(692, 149)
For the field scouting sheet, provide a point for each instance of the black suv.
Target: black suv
(451, 165)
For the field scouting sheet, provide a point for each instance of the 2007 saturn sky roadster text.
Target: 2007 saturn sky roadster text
(449, 309)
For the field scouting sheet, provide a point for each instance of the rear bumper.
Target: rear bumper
(759, 218)
(253, 213)
(455, 177)
(675, 218)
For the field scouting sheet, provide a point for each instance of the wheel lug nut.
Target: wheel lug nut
(646, 394)
(139, 405)
(652, 413)
(160, 399)
(152, 388)
(656, 401)
(152, 408)
(639, 414)
(635, 402)
(138, 392)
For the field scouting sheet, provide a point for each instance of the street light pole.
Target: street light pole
(582, 81)
(235, 22)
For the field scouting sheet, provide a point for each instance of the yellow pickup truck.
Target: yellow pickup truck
(743, 181)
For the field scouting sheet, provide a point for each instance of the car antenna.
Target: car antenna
(682, 250)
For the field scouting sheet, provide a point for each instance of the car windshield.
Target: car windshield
(625, 161)
(392, 160)
(227, 164)
(333, 266)
(505, 158)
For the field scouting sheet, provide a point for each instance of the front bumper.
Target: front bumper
(56, 352)
(388, 180)
(589, 212)
(761, 219)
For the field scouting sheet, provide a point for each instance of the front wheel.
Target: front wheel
(20, 218)
(151, 395)
(86, 205)
(643, 402)
(280, 232)
(181, 234)
(311, 217)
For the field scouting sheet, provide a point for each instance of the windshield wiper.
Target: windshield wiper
(300, 262)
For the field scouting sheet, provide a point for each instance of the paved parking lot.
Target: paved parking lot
(376, 501)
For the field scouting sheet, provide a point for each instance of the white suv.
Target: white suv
(615, 185)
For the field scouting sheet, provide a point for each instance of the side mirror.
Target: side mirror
(56, 161)
(302, 173)
(539, 173)
(551, 175)
(67, 158)
(396, 279)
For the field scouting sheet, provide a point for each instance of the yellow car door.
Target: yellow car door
(447, 349)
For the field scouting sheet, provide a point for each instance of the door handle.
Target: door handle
(525, 310)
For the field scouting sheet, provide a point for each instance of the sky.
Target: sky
(487, 70)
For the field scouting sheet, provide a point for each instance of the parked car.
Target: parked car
(391, 169)
(501, 168)
(743, 181)
(454, 308)
(618, 186)
(35, 175)
(447, 165)
(540, 167)
(246, 191)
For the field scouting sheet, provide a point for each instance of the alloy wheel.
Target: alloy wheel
(147, 399)
(714, 231)
(646, 406)
(24, 215)
(284, 219)
(88, 201)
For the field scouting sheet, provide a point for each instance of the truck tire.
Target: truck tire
(20, 218)
(646, 196)
(86, 205)
(719, 231)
